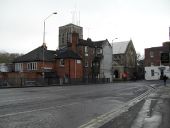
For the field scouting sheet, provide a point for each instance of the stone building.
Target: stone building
(65, 34)
(124, 60)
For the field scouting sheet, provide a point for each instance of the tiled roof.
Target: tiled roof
(37, 55)
(120, 47)
(67, 54)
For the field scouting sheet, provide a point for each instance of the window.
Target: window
(61, 62)
(78, 61)
(151, 54)
(68, 37)
(62, 39)
(86, 50)
(99, 51)
(86, 63)
(32, 66)
(18, 67)
(152, 64)
(152, 72)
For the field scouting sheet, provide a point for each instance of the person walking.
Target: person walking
(164, 79)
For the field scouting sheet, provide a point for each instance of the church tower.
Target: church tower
(65, 34)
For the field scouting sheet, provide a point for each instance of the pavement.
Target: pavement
(155, 112)
(151, 112)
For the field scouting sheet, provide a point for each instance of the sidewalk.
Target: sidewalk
(156, 110)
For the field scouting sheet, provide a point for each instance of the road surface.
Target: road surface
(63, 106)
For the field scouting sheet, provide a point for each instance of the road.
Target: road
(63, 106)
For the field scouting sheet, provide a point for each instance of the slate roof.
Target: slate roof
(37, 55)
(67, 54)
(120, 47)
(91, 43)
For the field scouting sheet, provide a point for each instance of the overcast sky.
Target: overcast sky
(146, 22)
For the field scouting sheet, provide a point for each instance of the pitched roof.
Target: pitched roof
(120, 47)
(91, 43)
(37, 55)
(67, 54)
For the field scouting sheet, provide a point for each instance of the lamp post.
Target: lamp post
(112, 43)
(44, 25)
(44, 37)
(113, 40)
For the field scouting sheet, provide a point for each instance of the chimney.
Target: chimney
(44, 46)
(75, 37)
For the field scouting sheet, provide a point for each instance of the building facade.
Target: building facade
(39, 61)
(124, 60)
(69, 62)
(97, 59)
(155, 68)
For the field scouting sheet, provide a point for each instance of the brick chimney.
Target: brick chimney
(74, 42)
(44, 46)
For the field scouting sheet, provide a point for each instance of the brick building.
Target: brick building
(69, 62)
(97, 58)
(38, 61)
(154, 68)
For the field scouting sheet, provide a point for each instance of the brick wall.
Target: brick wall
(70, 69)
(155, 59)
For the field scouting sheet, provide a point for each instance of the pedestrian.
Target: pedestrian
(164, 79)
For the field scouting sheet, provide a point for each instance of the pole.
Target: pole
(44, 40)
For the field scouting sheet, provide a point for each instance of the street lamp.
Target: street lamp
(44, 26)
(44, 38)
(112, 42)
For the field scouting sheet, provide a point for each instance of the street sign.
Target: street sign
(165, 57)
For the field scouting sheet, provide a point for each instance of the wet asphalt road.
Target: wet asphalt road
(64, 106)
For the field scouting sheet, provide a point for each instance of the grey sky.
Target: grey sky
(146, 22)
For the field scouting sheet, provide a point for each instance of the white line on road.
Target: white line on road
(101, 120)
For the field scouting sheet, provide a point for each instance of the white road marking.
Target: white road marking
(101, 120)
